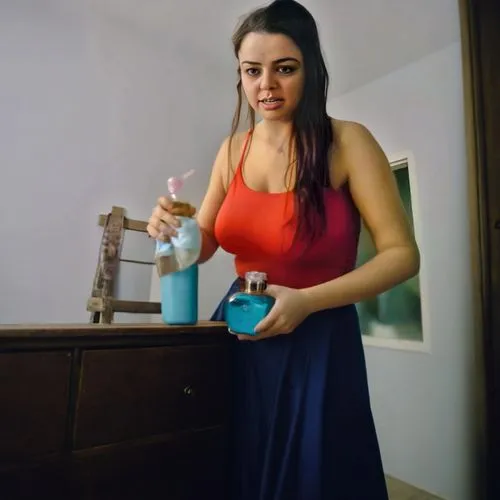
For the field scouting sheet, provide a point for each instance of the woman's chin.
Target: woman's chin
(273, 116)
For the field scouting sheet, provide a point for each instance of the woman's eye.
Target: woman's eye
(252, 71)
(285, 70)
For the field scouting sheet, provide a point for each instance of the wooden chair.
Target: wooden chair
(102, 304)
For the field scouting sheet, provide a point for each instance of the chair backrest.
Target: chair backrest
(102, 304)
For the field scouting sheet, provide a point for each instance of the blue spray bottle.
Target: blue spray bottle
(176, 263)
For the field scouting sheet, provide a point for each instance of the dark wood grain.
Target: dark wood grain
(34, 390)
(130, 393)
(183, 466)
(481, 34)
(116, 329)
(100, 304)
(110, 412)
(131, 224)
(64, 336)
(50, 478)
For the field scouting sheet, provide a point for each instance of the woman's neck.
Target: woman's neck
(275, 133)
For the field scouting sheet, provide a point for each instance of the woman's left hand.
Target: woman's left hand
(289, 310)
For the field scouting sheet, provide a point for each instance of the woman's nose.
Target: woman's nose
(267, 81)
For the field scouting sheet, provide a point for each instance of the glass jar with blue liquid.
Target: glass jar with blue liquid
(245, 309)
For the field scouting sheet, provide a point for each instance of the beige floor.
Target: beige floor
(402, 491)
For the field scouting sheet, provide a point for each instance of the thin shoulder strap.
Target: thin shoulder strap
(244, 149)
(234, 175)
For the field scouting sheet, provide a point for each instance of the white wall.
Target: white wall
(423, 403)
(94, 111)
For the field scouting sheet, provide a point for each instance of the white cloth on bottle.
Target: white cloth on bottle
(182, 251)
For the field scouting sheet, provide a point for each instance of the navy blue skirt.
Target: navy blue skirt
(302, 426)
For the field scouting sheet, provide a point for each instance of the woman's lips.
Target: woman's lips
(271, 104)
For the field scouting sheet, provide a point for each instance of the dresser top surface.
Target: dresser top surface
(115, 329)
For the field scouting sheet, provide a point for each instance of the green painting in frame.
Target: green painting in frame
(393, 318)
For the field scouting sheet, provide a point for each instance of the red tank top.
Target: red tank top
(258, 228)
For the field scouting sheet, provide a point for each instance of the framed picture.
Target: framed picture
(396, 318)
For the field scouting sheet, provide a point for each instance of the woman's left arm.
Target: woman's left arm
(374, 191)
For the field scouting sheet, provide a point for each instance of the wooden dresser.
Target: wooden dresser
(113, 412)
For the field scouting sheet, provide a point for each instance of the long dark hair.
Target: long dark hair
(312, 133)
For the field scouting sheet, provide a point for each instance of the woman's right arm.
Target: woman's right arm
(162, 224)
(212, 202)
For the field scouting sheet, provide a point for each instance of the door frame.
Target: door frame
(481, 74)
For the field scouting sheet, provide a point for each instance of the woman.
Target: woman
(286, 198)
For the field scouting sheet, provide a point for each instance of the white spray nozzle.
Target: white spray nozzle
(174, 184)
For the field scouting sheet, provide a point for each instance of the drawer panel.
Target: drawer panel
(132, 393)
(34, 389)
(49, 479)
(186, 466)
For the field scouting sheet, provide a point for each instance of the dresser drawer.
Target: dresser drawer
(132, 393)
(185, 466)
(34, 391)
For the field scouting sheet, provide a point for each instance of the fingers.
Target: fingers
(267, 322)
(273, 290)
(273, 324)
(165, 203)
(162, 215)
(272, 331)
(244, 338)
(162, 224)
(159, 230)
(176, 207)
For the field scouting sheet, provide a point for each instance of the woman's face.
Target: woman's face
(272, 74)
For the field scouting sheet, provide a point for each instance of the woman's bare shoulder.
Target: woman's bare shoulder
(346, 132)
(237, 142)
(228, 157)
(351, 139)
(231, 146)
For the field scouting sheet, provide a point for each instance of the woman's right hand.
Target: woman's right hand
(163, 223)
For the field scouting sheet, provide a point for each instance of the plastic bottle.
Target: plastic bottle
(177, 267)
(179, 296)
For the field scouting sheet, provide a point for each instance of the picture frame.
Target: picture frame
(397, 318)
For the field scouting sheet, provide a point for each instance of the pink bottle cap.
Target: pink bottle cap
(175, 184)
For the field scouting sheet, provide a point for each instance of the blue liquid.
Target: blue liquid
(243, 311)
(179, 297)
